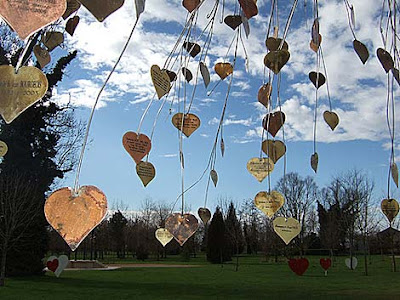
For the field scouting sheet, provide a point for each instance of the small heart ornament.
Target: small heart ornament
(314, 47)
(269, 203)
(287, 229)
(171, 74)
(275, 60)
(204, 214)
(331, 118)
(161, 80)
(274, 149)
(386, 59)
(249, 8)
(192, 48)
(272, 122)
(52, 263)
(182, 227)
(74, 216)
(190, 123)
(351, 263)
(264, 94)
(260, 167)
(233, 21)
(214, 177)
(190, 5)
(394, 171)
(3, 149)
(57, 264)
(205, 74)
(27, 17)
(314, 162)
(71, 25)
(163, 236)
(223, 70)
(138, 146)
(20, 91)
(318, 79)
(361, 50)
(145, 171)
(325, 263)
(187, 74)
(42, 56)
(222, 146)
(273, 44)
(390, 207)
(299, 265)
(72, 6)
(101, 9)
(52, 39)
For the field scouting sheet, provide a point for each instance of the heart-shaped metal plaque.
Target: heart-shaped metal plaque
(145, 171)
(269, 203)
(390, 207)
(190, 5)
(192, 48)
(264, 94)
(331, 118)
(190, 123)
(273, 44)
(223, 70)
(101, 9)
(20, 91)
(386, 59)
(233, 21)
(260, 167)
(182, 227)
(74, 216)
(27, 17)
(163, 236)
(273, 122)
(204, 214)
(249, 8)
(138, 146)
(275, 60)
(42, 55)
(161, 80)
(274, 149)
(3, 148)
(287, 229)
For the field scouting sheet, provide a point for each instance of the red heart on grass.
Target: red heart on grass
(52, 265)
(325, 263)
(299, 265)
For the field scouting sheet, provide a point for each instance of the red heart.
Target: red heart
(52, 265)
(325, 263)
(299, 265)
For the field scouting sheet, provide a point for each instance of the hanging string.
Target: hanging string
(326, 77)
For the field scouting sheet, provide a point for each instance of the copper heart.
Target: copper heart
(182, 227)
(72, 6)
(20, 91)
(233, 21)
(249, 8)
(223, 70)
(71, 25)
(315, 32)
(145, 171)
(264, 94)
(138, 146)
(274, 149)
(361, 51)
(260, 167)
(385, 58)
(331, 118)
(314, 162)
(52, 39)
(204, 214)
(161, 80)
(42, 56)
(275, 60)
(101, 9)
(269, 203)
(187, 74)
(27, 17)
(314, 77)
(273, 44)
(192, 48)
(190, 5)
(273, 122)
(190, 123)
(314, 46)
(390, 207)
(75, 216)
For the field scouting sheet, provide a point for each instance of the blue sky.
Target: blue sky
(358, 94)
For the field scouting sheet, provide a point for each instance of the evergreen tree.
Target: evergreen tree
(234, 230)
(218, 250)
(118, 225)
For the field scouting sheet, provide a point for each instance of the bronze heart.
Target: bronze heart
(273, 122)
(390, 207)
(42, 56)
(264, 94)
(314, 76)
(249, 8)
(223, 70)
(233, 21)
(190, 5)
(182, 227)
(192, 48)
(75, 216)
(190, 123)
(145, 171)
(138, 146)
(385, 58)
(269, 203)
(273, 44)
(72, 6)
(275, 60)
(71, 25)
(361, 51)
(187, 74)
(331, 118)
(101, 9)
(171, 74)
(52, 39)
(314, 162)
(314, 47)
(20, 91)
(26, 17)
(274, 149)
(204, 214)
(3, 148)
(161, 80)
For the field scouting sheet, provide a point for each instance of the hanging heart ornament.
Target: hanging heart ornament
(287, 229)
(3, 148)
(233, 21)
(57, 264)
(204, 214)
(74, 216)
(390, 207)
(223, 70)
(101, 9)
(20, 91)
(275, 60)
(163, 236)
(269, 203)
(190, 5)
(161, 80)
(145, 171)
(182, 227)
(138, 146)
(42, 56)
(274, 149)
(273, 122)
(260, 167)
(299, 265)
(331, 118)
(264, 94)
(190, 123)
(27, 17)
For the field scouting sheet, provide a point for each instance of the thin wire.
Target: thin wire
(326, 76)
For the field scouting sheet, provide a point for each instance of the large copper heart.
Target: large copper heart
(190, 123)
(161, 80)
(101, 9)
(223, 70)
(138, 146)
(163, 236)
(182, 227)
(249, 8)
(390, 207)
(26, 17)
(269, 203)
(275, 60)
(273, 122)
(287, 229)
(75, 216)
(274, 149)
(260, 167)
(20, 91)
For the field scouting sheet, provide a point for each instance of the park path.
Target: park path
(151, 266)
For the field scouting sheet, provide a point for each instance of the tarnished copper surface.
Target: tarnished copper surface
(273, 122)
(101, 9)
(20, 91)
(71, 25)
(52, 39)
(287, 229)
(192, 48)
(138, 146)
(26, 17)
(75, 216)
(249, 8)
(361, 50)
(223, 70)
(145, 171)
(205, 73)
(390, 207)
(274, 149)
(314, 162)
(190, 123)
(163, 236)
(233, 21)
(72, 6)
(313, 77)
(269, 203)
(260, 167)
(275, 60)
(273, 44)
(182, 227)
(42, 55)
(190, 5)
(204, 214)
(264, 94)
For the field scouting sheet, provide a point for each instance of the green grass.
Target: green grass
(256, 279)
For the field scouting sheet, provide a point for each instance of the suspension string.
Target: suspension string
(289, 21)
(326, 76)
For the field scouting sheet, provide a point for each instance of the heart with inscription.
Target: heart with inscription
(204, 214)
(286, 228)
(163, 236)
(331, 118)
(390, 207)
(182, 227)
(273, 122)
(42, 56)
(74, 216)
(275, 60)
(161, 80)
(101, 9)
(20, 91)
(190, 123)
(223, 70)
(264, 94)
(138, 146)
(274, 149)
(260, 167)
(27, 17)
(145, 171)
(269, 203)
(299, 265)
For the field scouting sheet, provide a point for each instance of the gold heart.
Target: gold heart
(27, 17)
(287, 229)
(182, 227)
(3, 148)
(361, 50)
(249, 8)
(273, 122)
(273, 44)
(75, 216)
(260, 167)
(204, 214)
(264, 94)
(52, 39)
(331, 119)
(163, 236)
(72, 6)
(101, 9)
(269, 203)
(275, 60)
(223, 70)
(71, 25)
(42, 56)
(145, 171)
(390, 207)
(233, 21)
(138, 146)
(190, 124)
(161, 80)
(274, 149)
(20, 91)
(190, 5)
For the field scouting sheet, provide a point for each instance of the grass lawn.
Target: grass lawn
(254, 280)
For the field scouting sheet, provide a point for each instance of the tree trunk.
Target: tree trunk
(365, 255)
(3, 263)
